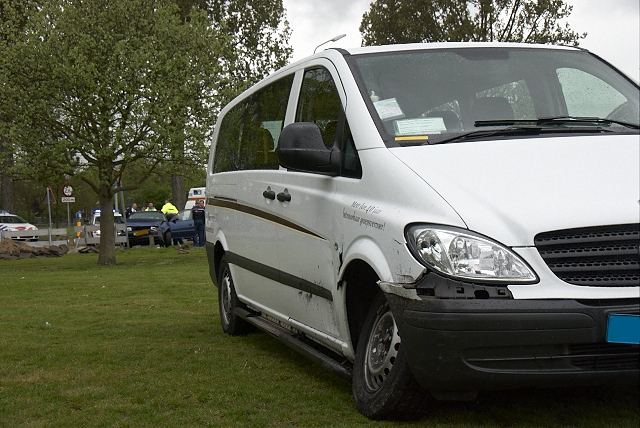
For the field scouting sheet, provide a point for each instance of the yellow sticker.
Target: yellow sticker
(412, 138)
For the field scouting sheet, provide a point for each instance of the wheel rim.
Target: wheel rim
(382, 350)
(225, 298)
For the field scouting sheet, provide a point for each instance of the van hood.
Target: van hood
(511, 190)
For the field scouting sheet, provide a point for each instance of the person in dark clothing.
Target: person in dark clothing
(133, 208)
(198, 221)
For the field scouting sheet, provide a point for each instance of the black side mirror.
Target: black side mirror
(301, 147)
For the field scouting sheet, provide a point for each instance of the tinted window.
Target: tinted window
(320, 103)
(250, 130)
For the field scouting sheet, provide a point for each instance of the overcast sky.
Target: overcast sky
(613, 27)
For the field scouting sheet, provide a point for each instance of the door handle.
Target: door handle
(269, 194)
(284, 197)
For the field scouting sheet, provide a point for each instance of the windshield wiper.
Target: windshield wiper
(597, 120)
(559, 120)
(516, 128)
(484, 133)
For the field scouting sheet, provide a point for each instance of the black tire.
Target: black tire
(383, 385)
(167, 238)
(228, 301)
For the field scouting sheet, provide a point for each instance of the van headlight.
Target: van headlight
(465, 255)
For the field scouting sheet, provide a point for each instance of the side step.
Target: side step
(296, 344)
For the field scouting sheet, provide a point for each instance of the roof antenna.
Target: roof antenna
(330, 40)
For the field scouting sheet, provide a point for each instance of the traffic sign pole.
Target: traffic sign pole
(68, 197)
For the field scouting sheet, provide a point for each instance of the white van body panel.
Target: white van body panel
(362, 205)
(534, 185)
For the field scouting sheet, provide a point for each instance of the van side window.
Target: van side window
(250, 130)
(320, 103)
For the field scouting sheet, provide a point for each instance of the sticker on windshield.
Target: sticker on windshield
(388, 109)
(426, 125)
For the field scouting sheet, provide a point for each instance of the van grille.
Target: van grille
(604, 256)
(605, 356)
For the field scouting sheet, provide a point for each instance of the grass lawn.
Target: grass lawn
(140, 344)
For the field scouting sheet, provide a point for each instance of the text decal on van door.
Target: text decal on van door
(365, 209)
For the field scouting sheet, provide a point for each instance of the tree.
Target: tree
(13, 16)
(94, 87)
(259, 35)
(413, 21)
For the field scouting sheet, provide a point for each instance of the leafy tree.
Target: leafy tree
(413, 21)
(259, 35)
(94, 87)
(13, 18)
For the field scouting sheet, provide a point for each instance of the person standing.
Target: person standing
(198, 222)
(133, 208)
(169, 210)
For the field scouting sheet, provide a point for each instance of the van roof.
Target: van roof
(448, 45)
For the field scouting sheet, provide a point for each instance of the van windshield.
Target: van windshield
(441, 95)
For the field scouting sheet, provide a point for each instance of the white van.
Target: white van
(195, 194)
(434, 220)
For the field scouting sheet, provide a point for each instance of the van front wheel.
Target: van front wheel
(228, 301)
(383, 385)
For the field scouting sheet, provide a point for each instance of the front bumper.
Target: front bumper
(141, 237)
(462, 343)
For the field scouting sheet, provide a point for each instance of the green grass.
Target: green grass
(140, 344)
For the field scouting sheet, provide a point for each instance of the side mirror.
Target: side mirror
(301, 147)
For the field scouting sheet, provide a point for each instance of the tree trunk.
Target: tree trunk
(107, 247)
(178, 192)
(8, 194)
(8, 201)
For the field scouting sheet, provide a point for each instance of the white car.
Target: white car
(14, 223)
(95, 221)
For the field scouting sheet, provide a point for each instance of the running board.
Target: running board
(296, 344)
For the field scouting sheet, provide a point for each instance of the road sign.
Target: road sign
(49, 197)
(68, 199)
(67, 191)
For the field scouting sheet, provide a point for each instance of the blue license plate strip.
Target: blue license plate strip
(623, 329)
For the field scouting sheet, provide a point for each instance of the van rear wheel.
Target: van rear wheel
(383, 385)
(228, 301)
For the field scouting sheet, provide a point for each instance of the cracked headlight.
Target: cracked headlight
(465, 255)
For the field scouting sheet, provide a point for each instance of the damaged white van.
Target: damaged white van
(434, 220)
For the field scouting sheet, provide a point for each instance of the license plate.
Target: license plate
(141, 233)
(623, 329)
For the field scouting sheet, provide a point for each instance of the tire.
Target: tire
(383, 385)
(228, 301)
(167, 239)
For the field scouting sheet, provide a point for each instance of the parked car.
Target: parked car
(144, 224)
(15, 223)
(95, 221)
(434, 220)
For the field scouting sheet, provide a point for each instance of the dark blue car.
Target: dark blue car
(142, 225)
